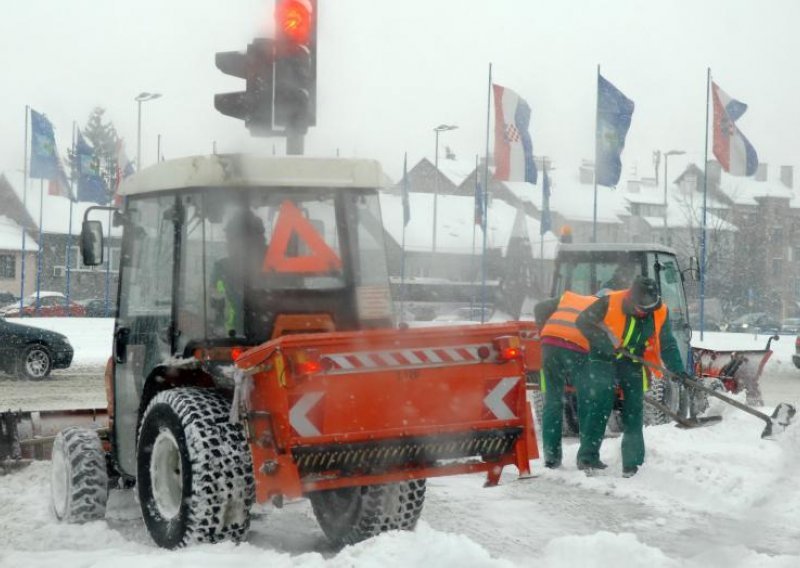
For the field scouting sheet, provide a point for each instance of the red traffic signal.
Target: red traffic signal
(294, 20)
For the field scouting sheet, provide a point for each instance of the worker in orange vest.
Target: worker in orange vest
(564, 354)
(633, 321)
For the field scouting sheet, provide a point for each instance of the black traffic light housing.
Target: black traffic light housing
(295, 64)
(281, 75)
(256, 66)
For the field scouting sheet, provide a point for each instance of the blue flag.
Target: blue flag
(546, 223)
(91, 186)
(406, 205)
(614, 112)
(44, 158)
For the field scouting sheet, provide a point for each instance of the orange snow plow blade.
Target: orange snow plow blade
(332, 410)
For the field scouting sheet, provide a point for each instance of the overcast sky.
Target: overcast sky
(388, 72)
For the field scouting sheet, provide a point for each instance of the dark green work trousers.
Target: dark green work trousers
(596, 394)
(560, 367)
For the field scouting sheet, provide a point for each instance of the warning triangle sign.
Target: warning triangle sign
(322, 259)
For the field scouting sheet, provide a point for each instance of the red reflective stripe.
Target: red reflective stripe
(354, 361)
(466, 354)
(443, 355)
(421, 356)
(377, 359)
(400, 359)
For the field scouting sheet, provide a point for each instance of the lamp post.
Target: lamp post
(142, 98)
(666, 181)
(437, 130)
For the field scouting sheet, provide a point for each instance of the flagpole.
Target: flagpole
(596, 120)
(705, 202)
(39, 254)
(474, 233)
(541, 227)
(108, 262)
(25, 207)
(69, 233)
(403, 245)
(485, 197)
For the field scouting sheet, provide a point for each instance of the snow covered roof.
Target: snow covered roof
(745, 190)
(454, 170)
(250, 170)
(456, 215)
(56, 210)
(11, 236)
(574, 200)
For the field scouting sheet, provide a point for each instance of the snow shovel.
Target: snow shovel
(682, 422)
(776, 423)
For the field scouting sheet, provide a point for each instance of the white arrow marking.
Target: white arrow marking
(494, 400)
(298, 414)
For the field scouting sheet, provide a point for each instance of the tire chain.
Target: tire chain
(88, 485)
(222, 469)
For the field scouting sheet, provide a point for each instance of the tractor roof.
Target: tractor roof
(248, 170)
(613, 247)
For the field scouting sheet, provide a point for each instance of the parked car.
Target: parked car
(51, 304)
(790, 326)
(96, 307)
(30, 352)
(796, 356)
(7, 298)
(755, 322)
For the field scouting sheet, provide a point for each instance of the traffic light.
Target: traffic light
(295, 64)
(254, 105)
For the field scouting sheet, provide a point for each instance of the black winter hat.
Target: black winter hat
(644, 294)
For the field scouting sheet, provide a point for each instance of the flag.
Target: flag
(91, 186)
(124, 169)
(734, 152)
(44, 158)
(614, 112)
(59, 185)
(513, 147)
(406, 204)
(546, 222)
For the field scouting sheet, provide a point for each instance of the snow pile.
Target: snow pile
(601, 550)
(90, 337)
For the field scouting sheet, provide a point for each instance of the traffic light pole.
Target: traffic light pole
(295, 142)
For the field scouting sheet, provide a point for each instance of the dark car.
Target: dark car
(796, 356)
(96, 307)
(790, 326)
(758, 322)
(31, 352)
(7, 298)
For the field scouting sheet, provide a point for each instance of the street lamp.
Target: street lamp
(437, 130)
(142, 98)
(666, 169)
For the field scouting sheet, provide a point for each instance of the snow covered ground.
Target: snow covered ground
(717, 496)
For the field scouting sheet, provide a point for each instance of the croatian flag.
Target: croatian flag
(513, 148)
(734, 152)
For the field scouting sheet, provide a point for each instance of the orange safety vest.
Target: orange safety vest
(614, 326)
(561, 325)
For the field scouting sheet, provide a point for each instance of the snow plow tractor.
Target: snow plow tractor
(591, 269)
(254, 360)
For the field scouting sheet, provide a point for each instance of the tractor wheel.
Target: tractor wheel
(665, 392)
(34, 362)
(353, 514)
(79, 478)
(194, 470)
(569, 424)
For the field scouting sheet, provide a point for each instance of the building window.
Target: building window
(8, 267)
(777, 235)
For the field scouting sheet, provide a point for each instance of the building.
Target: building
(60, 238)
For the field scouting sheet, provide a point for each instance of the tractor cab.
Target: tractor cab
(224, 252)
(592, 269)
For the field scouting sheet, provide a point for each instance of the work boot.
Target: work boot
(630, 471)
(552, 464)
(590, 467)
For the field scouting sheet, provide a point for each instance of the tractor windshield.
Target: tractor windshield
(248, 256)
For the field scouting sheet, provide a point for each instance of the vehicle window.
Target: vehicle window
(671, 288)
(589, 277)
(192, 289)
